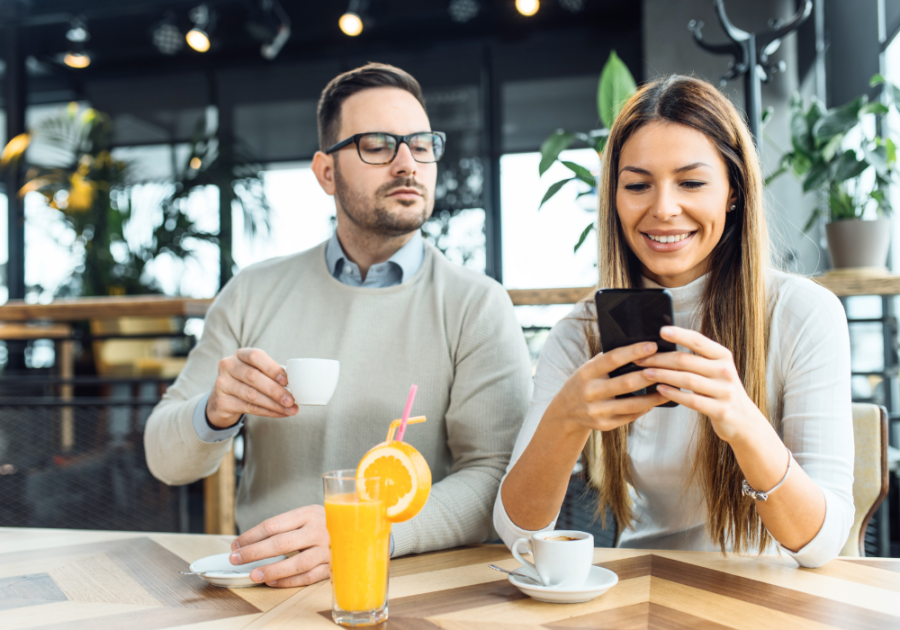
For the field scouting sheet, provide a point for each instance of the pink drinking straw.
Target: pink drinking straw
(409, 404)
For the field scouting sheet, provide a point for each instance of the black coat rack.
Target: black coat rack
(751, 53)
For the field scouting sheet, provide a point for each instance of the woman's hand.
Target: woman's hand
(715, 387)
(588, 398)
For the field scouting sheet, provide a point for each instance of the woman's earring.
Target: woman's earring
(732, 207)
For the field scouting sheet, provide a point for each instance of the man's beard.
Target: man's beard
(379, 220)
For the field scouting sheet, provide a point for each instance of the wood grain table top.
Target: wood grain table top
(69, 580)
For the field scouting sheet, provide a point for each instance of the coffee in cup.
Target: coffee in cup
(312, 381)
(562, 558)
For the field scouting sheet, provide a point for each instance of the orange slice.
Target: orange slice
(405, 479)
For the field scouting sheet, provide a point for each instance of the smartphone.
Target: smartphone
(629, 316)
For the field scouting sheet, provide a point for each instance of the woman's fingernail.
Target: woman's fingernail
(257, 576)
(272, 583)
(287, 401)
(235, 558)
(649, 347)
(662, 389)
(650, 373)
(666, 330)
(281, 378)
(235, 545)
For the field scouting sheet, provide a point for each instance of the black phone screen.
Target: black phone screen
(629, 316)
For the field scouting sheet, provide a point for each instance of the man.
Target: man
(393, 311)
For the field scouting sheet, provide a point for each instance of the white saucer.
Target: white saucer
(218, 571)
(598, 582)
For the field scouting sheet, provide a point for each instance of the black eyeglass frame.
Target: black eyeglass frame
(354, 139)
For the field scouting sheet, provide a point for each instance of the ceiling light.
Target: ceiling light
(463, 10)
(351, 23)
(528, 7)
(167, 36)
(77, 60)
(198, 37)
(77, 35)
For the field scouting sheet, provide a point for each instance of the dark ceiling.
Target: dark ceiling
(121, 31)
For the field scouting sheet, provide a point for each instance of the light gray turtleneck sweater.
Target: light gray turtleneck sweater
(809, 389)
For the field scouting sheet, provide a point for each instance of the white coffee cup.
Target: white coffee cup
(559, 563)
(312, 381)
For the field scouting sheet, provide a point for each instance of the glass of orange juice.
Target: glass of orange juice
(360, 549)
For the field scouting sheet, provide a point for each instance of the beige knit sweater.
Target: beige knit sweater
(449, 330)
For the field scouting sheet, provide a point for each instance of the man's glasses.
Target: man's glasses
(378, 148)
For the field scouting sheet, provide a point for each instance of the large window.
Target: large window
(302, 215)
(538, 244)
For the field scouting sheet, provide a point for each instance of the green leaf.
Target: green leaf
(891, 150)
(800, 164)
(616, 85)
(584, 235)
(581, 173)
(878, 157)
(874, 108)
(767, 114)
(816, 110)
(801, 139)
(816, 176)
(832, 147)
(877, 79)
(838, 121)
(554, 188)
(847, 166)
(555, 144)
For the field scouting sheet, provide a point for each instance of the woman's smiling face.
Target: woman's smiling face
(672, 197)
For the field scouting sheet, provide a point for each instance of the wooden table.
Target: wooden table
(68, 580)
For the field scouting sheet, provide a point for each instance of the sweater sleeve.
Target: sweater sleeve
(564, 351)
(176, 454)
(817, 422)
(488, 399)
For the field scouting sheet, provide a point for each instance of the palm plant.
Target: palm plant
(78, 176)
(616, 86)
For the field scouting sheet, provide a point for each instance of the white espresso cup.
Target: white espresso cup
(312, 381)
(564, 562)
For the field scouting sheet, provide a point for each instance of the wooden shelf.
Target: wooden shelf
(530, 297)
(67, 310)
(847, 285)
(75, 309)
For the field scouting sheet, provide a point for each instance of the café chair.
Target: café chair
(870, 471)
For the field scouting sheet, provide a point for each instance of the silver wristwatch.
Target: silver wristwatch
(756, 495)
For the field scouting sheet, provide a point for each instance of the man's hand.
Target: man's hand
(249, 381)
(300, 530)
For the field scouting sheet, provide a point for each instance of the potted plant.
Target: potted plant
(839, 157)
(616, 86)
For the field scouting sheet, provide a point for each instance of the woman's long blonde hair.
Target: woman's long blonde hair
(733, 311)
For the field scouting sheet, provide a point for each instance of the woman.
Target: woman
(762, 375)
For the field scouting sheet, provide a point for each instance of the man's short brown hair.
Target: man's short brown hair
(371, 75)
